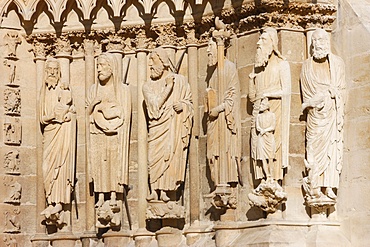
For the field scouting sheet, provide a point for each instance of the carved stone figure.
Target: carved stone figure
(323, 89)
(170, 111)
(11, 71)
(9, 241)
(57, 117)
(109, 108)
(269, 91)
(12, 101)
(12, 40)
(265, 146)
(12, 224)
(13, 131)
(14, 192)
(223, 111)
(11, 162)
(271, 79)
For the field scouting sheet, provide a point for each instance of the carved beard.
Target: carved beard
(320, 52)
(52, 81)
(212, 59)
(262, 56)
(156, 71)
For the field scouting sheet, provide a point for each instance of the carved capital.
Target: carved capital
(89, 47)
(114, 43)
(39, 50)
(63, 46)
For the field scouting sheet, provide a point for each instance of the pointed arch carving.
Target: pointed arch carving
(86, 6)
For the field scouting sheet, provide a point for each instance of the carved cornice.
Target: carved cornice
(247, 17)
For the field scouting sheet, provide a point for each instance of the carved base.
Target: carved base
(165, 210)
(63, 240)
(143, 237)
(199, 235)
(223, 197)
(267, 196)
(319, 207)
(40, 240)
(117, 239)
(169, 236)
(268, 233)
(108, 216)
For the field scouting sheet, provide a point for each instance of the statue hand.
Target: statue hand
(213, 113)
(178, 107)
(96, 101)
(170, 80)
(67, 117)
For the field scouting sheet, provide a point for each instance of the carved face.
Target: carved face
(212, 53)
(52, 74)
(265, 105)
(264, 50)
(156, 66)
(320, 44)
(104, 70)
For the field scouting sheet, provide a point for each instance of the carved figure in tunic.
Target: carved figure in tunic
(323, 89)
(271, 79)
(59, 130)
(229, 105)
(170, 111)
(265, 125)
(109, 108)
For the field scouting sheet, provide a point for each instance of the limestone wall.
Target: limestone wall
(351, 36)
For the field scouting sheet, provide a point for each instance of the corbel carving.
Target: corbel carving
(12, 101)
(12, 131)
(11, 162)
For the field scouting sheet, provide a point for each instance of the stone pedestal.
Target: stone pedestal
(117, 239)
(40, 240)
(168, 237)
(326, 234)
(143, 237)
(63, 240)
(86, 238)
(199, 235)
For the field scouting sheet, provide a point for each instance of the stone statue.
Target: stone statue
(170, 110)
(223, 112)
(270, 81)
(109, 108)
(58, 120)
(323, 89)
(265, 147)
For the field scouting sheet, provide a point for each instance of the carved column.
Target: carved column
(194, 141)
(142, 236)
(40, 239)
(90, 200)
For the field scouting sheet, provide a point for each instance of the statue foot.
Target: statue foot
(47, 211)
(164, 196)
(99, 203)
(330, 193)
(152, 196)
(56, 209)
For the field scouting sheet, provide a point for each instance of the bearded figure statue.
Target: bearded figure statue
(270, 79)
(170, 111)
(323, 89)
(58, 121)
(269, 82)
(109, 109)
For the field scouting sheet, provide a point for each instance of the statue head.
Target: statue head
(265, 105)
(320, 42)
(52, 72)
(266, 45)
(104, 68)
(212, 52)
(158, 63)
